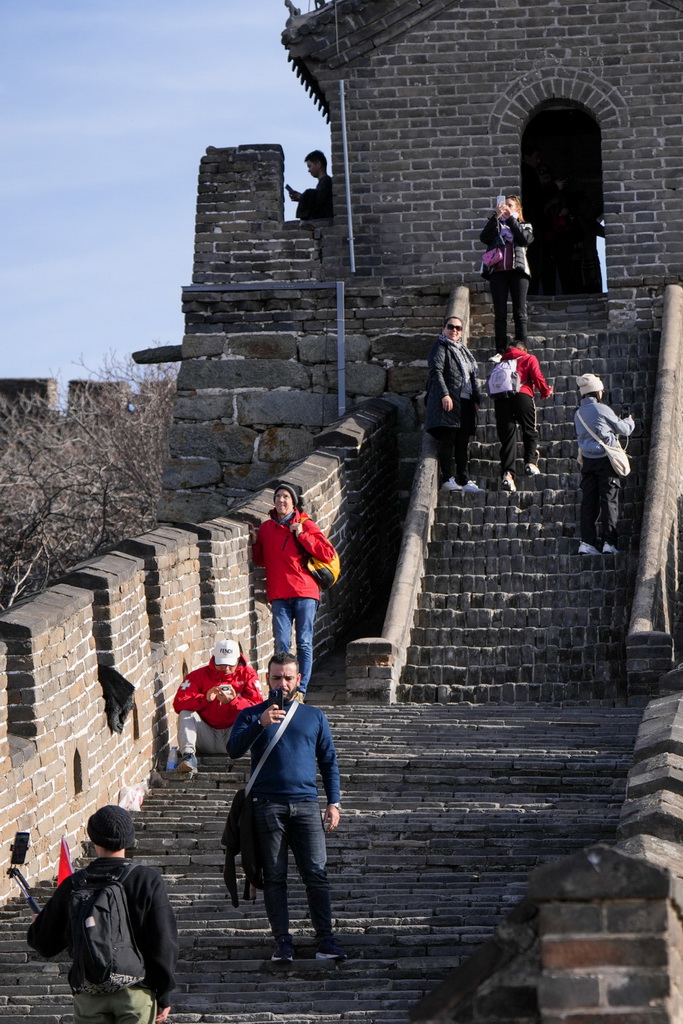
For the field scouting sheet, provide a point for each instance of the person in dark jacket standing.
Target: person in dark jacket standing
(286, 813)
(151, 919)
(600, 484)
(281, 545)
(453, 400)
(507, 231)
(314, 203)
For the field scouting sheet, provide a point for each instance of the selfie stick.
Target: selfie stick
(16, 874)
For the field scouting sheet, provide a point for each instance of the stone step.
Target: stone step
(446, 809)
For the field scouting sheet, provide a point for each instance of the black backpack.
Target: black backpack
(105, 955)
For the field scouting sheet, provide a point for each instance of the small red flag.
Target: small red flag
(64, 869)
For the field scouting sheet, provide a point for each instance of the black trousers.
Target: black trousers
(600, 488)
(452, 444)
(511, 411)
(516, 285)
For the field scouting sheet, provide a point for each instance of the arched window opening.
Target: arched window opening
(562, 197)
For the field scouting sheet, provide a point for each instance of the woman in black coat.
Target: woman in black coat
(452, 404)
(508, 233)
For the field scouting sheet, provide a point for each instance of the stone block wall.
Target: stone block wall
(152, 609)
(433, 139)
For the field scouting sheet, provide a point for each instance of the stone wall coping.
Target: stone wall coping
(654, 791)
(409, 570)
(656, 525)
(104, 573)
(602, 872)
(661, 728)
(53, 607)
(214, 529)
(157, 542)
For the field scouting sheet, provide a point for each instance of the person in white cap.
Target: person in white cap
(600, 484)
(210, 699)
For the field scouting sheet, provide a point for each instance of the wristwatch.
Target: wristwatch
(337, 805)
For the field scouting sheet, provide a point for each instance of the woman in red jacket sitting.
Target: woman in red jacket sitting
(281, 545)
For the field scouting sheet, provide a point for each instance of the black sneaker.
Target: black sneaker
(284, 950)
(329, 949)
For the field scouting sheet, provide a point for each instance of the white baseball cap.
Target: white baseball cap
(226, 652)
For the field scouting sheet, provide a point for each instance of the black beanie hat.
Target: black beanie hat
(294, 490)
(111, 828)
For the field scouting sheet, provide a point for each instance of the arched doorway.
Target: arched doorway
(562, 197)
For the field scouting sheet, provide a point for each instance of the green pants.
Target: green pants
(132, 1005)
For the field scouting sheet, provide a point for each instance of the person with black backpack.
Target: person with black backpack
(115, 919)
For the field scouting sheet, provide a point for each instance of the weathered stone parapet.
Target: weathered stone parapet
(610, 935)
(654, 796)
(152, 610)
(650, 637)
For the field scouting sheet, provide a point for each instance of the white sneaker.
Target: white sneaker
(495, 359)
(587, 549)
(450, 485)
(472, 486)
(531, 470)
(508, 482)
(608, 549)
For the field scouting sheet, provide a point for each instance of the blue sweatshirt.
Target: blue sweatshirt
(290, 772)
(604, 423)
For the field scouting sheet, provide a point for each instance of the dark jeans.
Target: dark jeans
(452, 444)
(512, 410)
(298, 827)
(600, 488)
(516, 285)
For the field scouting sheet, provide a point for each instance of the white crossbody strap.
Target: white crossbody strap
(274, 739)
(594, 436)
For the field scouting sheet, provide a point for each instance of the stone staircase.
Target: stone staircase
(509, 611)
(446, 810)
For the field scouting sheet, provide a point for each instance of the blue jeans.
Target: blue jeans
(297, 826)
(301, 612)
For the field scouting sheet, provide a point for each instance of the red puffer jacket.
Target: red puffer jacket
(529, 372)
(191, 695)
(282, 556)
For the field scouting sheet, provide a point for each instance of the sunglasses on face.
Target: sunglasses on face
(453, 327)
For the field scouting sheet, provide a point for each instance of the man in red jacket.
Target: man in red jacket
(210, 699)
(281, 545)
(513, 408)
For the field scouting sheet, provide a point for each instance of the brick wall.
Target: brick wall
(152, 610)
(434, 132)
(438, 95)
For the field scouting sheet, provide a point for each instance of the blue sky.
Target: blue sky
(106, 107)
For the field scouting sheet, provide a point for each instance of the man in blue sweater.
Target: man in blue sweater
(285, 800)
